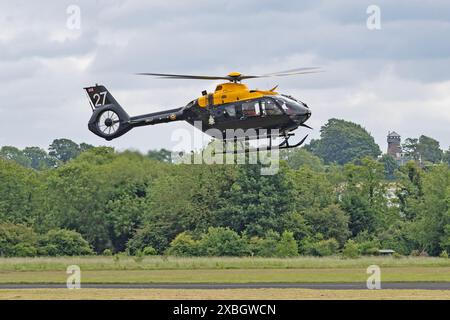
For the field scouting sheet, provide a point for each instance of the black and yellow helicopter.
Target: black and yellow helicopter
(231, 106)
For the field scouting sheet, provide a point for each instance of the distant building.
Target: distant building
(394, 149)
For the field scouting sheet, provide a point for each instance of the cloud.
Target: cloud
(396, 78)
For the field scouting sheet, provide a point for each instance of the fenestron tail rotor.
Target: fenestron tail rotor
(108, 122)
(235, 76)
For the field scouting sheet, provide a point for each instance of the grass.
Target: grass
(222, 270)
(390, 274)
(233, 294)
(194, 263)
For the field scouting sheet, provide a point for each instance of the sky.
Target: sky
(395, 77)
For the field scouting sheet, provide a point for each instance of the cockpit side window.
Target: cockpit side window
(250, 109)
(269, 108)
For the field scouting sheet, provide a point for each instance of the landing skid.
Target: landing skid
(283, 145)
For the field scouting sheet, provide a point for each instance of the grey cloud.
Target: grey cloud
(41, 78)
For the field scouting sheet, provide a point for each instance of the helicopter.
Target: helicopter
(232, 106)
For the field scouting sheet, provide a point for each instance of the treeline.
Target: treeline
(93, 199)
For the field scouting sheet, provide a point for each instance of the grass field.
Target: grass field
(233, 294)
(393, 274)
(221, 270)
(172, 263)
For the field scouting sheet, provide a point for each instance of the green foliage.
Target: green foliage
(411, 148)
(39, 159)
(444, 254)
(64, 149)
(297, 158)
(256, 203)
(364, 196)
(424, 148)
(183, 245)
(321, 248)
(138, 256)
(351, 249)
(390, 166)
(274, 245)
(367, 243)
(162, 155)
(331, 222)
(60, 242)
(145, 205)
(287, 246)
(107, 252)
(149, 235)
(431, 226)
(14, 154)
(149, 251)
(429, 149)
(20, 191)
(17, 240)
(342, 142)
(222, 242)
(446, 157)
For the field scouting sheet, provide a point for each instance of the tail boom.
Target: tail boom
(109, 120)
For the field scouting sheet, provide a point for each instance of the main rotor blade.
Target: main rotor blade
(183, 76)
(293, 71)
(285, 73)
(230, 77)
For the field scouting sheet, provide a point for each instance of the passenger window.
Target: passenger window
(230, 110)
(269, 108)
(250, 109)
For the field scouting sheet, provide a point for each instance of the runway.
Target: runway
(221, 286)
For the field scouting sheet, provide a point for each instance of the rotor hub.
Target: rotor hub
(109, 122)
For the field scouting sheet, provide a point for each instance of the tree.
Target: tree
(446, 157)
(60, 242)
(350, 249)
(342, 142)
(14, 154)
(64, 149)
(85, 147)
(39, 159)
(411, 148)
(424, 148)
(287, 246)
(20, 191)
(316, 246)
(432, 222)
(331, 222)
(364, 196)
(222, 242)
(410, 189)
(160, 155)
(429, 149)
(102, 195)
(297, 158)
(257, 203)
(390, 166)
(183, 245)
(17, 240)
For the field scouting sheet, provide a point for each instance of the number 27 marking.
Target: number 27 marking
(98, 97)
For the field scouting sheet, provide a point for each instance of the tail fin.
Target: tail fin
(109, 120)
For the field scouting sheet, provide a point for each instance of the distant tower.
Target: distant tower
(394, 147)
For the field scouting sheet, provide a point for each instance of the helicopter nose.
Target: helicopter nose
(303, 113)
